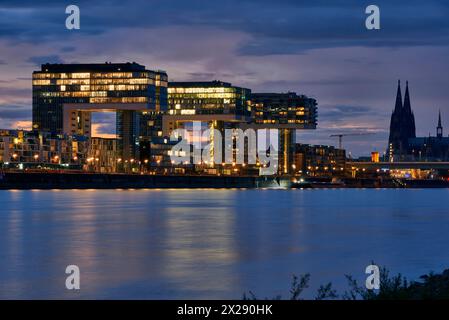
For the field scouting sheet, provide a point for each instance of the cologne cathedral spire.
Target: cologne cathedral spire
(398, 105)
(409, 117)
(402, 126)
(440, 126)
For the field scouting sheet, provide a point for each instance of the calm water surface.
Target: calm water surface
(173, 244)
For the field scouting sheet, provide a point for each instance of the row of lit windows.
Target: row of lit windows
(180, 102)
(261, 113)
(75, 94)
(120, 87)
(183, 111)
(290, 110)
(119, 100)
(275, 121)
(133, 81)
(201, 90)
(161, 83)
(206, 96)
(87, 75)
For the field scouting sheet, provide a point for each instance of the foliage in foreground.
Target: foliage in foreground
(431, 286)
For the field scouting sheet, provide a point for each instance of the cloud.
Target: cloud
(274, 27)
(101, 131)
(15, 117)
(343, 113)
(104, 124)
(15, 112)
(25, 125)
(38, 60)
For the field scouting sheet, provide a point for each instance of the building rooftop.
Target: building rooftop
(93, 67)
(192, 84)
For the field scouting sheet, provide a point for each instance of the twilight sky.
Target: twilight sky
(312, 47)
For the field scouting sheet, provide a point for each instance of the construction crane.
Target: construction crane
(340, 136)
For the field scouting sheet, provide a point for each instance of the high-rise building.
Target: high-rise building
(65, 95)
(285, 109)
(214, 102)
(285, 112)
(211, 97)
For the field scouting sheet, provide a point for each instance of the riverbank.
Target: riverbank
(72, 180)
(66, 180)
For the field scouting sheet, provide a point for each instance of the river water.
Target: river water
(213, 244)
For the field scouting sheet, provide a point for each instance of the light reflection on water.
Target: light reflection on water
(172, 244)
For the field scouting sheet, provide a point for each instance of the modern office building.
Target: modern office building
(212, 97)
(212, 101)
(65, 95)
(286, 110)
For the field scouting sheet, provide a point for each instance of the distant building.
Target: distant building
(316, 160)
(19, 148)
(375, 156)
(155, 157)
(402, 127)
(403, 145)
(431, 148)
(103, 155)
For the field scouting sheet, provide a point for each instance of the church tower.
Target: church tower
(409, 126)
(440, 127)
(402, 126)
(394, 141)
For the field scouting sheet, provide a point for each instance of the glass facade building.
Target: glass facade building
(285, 110)
(212, 97)
(64, 95)
(121, 83)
